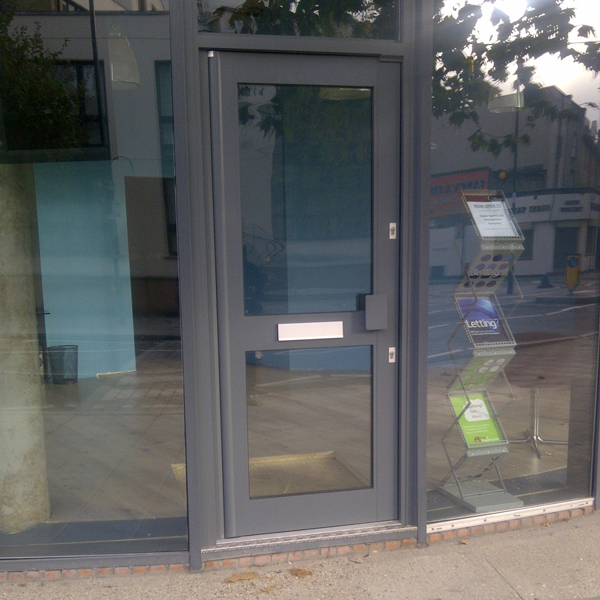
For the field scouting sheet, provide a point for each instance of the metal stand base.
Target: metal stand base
(480, 496)
(533, 433)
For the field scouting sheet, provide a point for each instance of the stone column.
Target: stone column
(24, 499)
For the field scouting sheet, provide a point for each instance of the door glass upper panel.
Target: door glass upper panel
(374, 19)
(306, 197)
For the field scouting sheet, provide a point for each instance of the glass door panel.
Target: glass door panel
(309, 427)
(306, 196)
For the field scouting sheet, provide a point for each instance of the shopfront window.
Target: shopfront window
(515, 181)
(92, 455)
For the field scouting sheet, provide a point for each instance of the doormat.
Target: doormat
(179, 472)
(303, 474)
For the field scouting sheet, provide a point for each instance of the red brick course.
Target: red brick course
(52, 574)
(501, 527)
(67, 573)
(139, 570)
(260, 560)
(85, 572)
(35, 575)
(158, 568)
(511, 525)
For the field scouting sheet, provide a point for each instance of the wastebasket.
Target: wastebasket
(63, 363)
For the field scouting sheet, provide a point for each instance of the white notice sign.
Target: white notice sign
(492, 216)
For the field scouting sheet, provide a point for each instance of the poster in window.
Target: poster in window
(492, 216)
(484, 322)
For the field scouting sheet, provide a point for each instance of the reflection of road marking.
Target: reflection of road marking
(292, 380)
(435, 312)
(435, 326)
(550, 314)
(446, 353)
(557, 339)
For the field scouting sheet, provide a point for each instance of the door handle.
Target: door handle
(376, 312)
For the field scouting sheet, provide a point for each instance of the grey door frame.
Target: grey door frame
(197, 260)
(239, 333)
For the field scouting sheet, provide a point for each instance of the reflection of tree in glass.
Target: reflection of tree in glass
(38, 102)
(329, 18)
(327, 124)
(321, 158)
(467, 69)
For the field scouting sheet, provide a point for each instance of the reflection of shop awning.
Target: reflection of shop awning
(446, 188)
(563, 206)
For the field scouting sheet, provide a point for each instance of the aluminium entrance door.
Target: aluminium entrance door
(306, 179)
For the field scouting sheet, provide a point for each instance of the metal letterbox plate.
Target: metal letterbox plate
(288, 332)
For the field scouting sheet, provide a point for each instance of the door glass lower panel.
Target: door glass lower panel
(309, 420)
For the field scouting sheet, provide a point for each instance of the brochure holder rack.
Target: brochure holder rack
(491, 347)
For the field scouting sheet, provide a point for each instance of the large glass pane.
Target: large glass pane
(309, 420)
(306, 196)
(92, 455)
(512, 116)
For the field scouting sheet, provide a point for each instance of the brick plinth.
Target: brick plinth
(262, 559)
(511, 525)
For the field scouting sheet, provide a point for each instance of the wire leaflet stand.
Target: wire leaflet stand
(474, 479)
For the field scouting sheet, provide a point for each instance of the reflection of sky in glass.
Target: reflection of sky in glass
(567, 75)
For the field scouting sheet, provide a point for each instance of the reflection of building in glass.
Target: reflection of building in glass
(558, 184)
(562, 151)
(83, 6)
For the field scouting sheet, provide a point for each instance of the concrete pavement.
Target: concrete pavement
(560, 561)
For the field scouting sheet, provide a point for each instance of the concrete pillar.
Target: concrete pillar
(24, 499)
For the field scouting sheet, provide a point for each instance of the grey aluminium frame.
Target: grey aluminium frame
(197, 260)
(414, 265)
